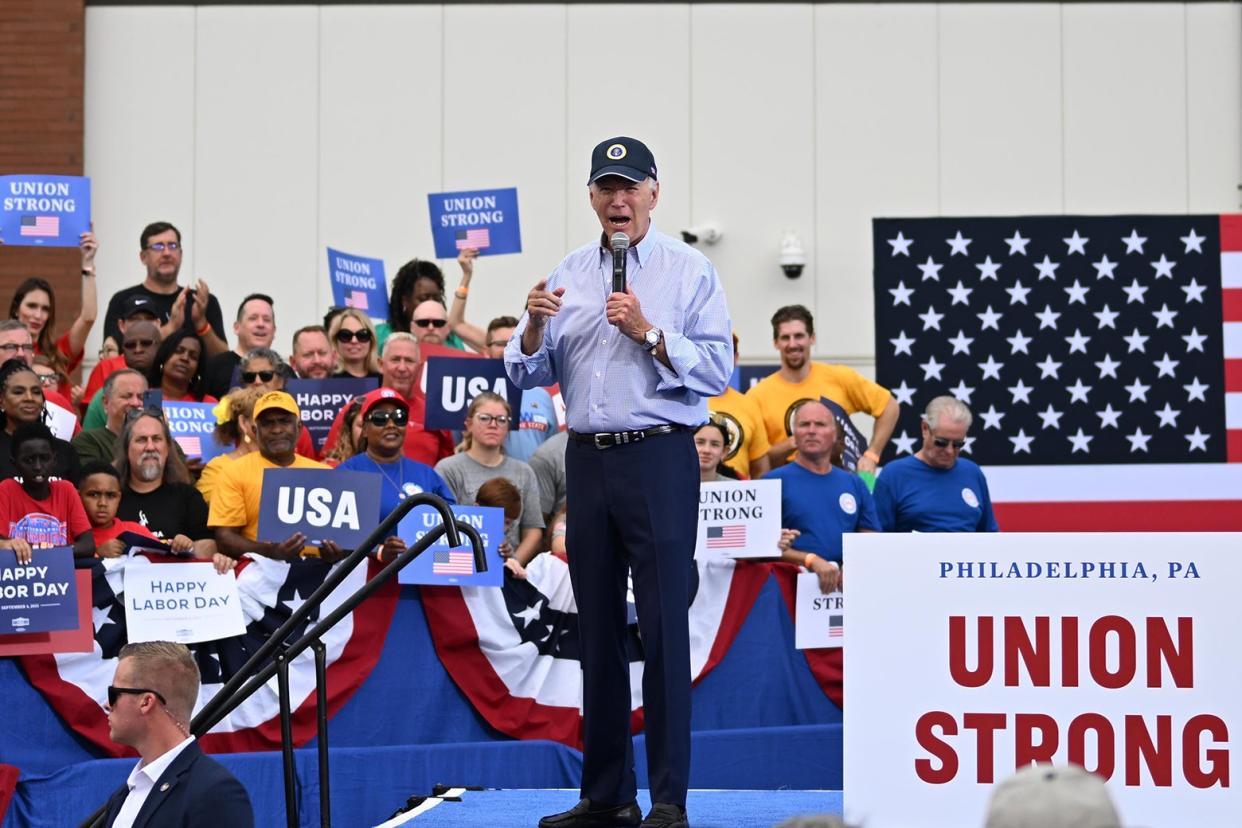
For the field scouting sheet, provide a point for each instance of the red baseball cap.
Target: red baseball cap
(381, 395)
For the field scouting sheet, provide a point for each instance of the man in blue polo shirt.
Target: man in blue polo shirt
(935, 489)
(819, 502)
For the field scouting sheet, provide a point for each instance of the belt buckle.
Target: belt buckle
(601, 438)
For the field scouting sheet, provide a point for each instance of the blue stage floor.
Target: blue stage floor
(707, 809)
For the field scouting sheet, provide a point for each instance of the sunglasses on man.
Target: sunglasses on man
(942, 442)
(135, 344)
(115, 693)
(431, 323)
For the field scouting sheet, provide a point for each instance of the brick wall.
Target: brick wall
(41, 80)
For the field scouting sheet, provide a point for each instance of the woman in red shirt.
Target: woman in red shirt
(40, 512)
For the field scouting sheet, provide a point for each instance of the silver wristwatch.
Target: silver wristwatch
(651, 339)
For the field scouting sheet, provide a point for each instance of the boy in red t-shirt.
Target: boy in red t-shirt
(100, 491)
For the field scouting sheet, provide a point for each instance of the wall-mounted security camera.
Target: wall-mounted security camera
(706, 233)
(792, 258)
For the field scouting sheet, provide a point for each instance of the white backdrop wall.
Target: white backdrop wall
(267, 133)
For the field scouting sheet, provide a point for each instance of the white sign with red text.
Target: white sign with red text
(972, 655)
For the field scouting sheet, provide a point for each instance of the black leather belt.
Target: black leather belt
(608, 439)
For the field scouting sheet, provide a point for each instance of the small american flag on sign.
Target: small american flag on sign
(836, 626)
(192, 446)
(732, 536)
(357, 299)
(40, 226)
(452, 563)
(477, 239)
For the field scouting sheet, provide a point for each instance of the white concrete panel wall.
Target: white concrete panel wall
(139, 149)
(267, 133)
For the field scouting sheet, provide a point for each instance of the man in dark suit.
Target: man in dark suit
(150, 703)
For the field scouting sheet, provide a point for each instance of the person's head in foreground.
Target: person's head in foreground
(1046, 796)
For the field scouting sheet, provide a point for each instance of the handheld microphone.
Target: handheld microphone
(620, 244)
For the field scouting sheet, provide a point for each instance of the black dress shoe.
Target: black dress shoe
(666, 815)
(588, 815)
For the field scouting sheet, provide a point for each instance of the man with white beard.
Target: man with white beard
(155, 484)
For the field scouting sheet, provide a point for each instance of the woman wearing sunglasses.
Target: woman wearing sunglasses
(353, 337)
(481, 457)
(385, 415)
(263, 368)
(21, 403)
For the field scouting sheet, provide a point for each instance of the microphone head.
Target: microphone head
(620, 241)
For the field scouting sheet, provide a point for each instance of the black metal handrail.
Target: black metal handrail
(275, 654)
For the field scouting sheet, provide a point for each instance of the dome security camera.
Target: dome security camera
(792, 257)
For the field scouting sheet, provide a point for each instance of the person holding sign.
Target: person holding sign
(819, 502)
(34, 305)
(482, 458)
(416, 282)
(936, 489)
(234, 511)
(40, 512)
(21, 403)
(636, 362)
(150, 703)
(385, 416)
(156, 491)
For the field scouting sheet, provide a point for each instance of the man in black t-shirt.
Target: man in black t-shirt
(155, 485)
(191, 307)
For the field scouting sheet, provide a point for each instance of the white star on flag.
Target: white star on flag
(931, 319)
(1048, 368)
(1108, 367)
(1077, 342)
(904, 444)
(961, 343)
(960, 294)
(1021, 443)
(1168, 416)
(1138, 391)
(989, 319)
(901, 294)
(931, 368)
(1134, 242)
(904, 393)
(1194, 291)
(957, 244)
(1136, 341)
(1193, 242)
(1195, 390)
(1017, 244)
(962, 391)
(1017, 293)
(1076, 244)
(1138, 440)
(1198, 440)
(1047, 318)
(1164, 268)
(1164, 316)
(902, 343)
(992, 418)
(1078, 392)
(988, 269)
(1081, 442)
(1109, 416)
(1165, 366)
(1134, 292)
(1018, 342)
(1194, 340)
(1021, 391)
(1104, 268)
(930, 269)
(991, 368)
(1077, 293)
(1047, 268)
(901, 245)
(1050, 416)
(1106, 317)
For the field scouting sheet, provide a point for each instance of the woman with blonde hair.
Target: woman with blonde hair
(353, 337)
(481, 458)
(234, 427)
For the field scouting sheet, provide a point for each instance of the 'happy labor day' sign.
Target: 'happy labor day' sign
(971, 655)
(44, 210)
(39, 596)
(486, 220)
(185, 602)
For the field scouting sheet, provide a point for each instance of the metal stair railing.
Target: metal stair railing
(275, 655)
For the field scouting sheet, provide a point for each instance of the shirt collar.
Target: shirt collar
(641, 251)
(156, 767)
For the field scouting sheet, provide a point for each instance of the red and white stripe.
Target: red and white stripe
(1231, 306)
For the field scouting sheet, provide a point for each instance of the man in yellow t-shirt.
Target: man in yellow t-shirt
(799, 379)
(747, 451)
(234, 514)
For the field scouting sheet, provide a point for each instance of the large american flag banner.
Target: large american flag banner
(1101, 356)
(76, 684)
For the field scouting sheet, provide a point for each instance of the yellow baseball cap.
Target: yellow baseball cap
(277, 400)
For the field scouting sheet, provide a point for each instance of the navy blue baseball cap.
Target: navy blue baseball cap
(626, 157)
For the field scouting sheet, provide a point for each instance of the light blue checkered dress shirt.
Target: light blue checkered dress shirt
(609, 381)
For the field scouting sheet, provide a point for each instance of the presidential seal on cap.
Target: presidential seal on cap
(626, 157)
(276, 401)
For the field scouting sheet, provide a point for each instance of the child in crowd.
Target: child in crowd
(37, 510)
(100, 491)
